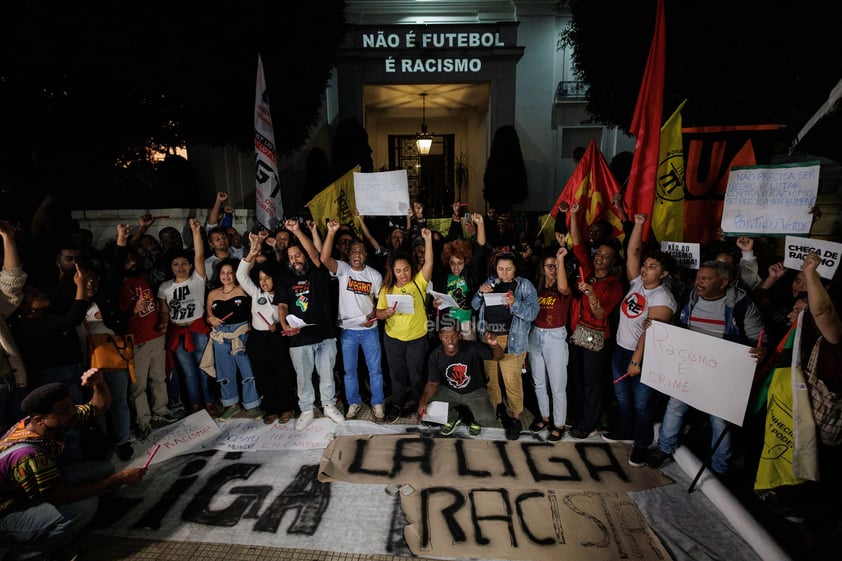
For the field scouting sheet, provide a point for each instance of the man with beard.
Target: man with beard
(359, 286)
(456, 376)
(305, 294)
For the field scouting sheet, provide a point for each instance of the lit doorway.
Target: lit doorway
(430, 177)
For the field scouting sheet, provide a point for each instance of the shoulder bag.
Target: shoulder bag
(827, 405)
(111, 352)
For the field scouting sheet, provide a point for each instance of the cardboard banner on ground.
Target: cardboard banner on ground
(496, 499)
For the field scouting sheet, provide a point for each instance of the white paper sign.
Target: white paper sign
(446, 300)
(711, 374)
(798, 248)
(296, 322)
(402, 303)
(194, 431)
(687, 255)
(770, 199)
(494, 298)
(436, 412)
(382, 193)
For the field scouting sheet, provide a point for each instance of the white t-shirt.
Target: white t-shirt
(186, 300)
(634, 309)
(357, 293)
(263, 311)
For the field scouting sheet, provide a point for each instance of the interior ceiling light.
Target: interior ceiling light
(423, 140)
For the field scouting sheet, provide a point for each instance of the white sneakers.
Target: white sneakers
(304, 420)
(332, 412)
(353, 409)
(379, 413)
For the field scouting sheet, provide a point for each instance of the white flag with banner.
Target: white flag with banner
(269, 210)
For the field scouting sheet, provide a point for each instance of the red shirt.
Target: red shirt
(609, 291)
(553, 309)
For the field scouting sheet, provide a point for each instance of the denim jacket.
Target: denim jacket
(524, 310)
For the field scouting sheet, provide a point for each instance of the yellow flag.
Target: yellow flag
(668, 210)
(336, 201)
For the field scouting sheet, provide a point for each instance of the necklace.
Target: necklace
(229, 291)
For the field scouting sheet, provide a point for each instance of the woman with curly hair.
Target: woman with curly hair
(463, 261)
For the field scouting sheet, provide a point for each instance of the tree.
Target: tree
(504, 182)
(87, 90)
(737, 63)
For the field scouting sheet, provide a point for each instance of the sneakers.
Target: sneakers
(638, 457)
(254, 413)
(555, 434)
(612, 436)
(582, 435)
(353, 409)
(125, 451)
(395, 412)
(474, 429)
(230, 412)
(379, 413)
(142, 431)
(513, 429)
(658, 458)
(335, 415)
(450, 427)
(304, 420)
(164, 419)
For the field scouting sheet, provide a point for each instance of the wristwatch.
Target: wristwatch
(634, 363)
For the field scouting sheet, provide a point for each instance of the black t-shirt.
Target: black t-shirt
(308, 298)
(463, 372)
(500, 316)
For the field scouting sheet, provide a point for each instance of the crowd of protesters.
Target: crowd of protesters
(270, 325)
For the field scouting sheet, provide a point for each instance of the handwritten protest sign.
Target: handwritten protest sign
(194, 431)
(770, 199)
(384, 193)
(711, 374)
(686, 255)
(798, 248)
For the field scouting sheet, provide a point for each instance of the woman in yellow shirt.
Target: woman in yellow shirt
(405, 340)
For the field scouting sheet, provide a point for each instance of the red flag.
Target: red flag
(593, 186)
(646, 127)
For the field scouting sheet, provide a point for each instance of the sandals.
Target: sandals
(555, 434)
(538, 425)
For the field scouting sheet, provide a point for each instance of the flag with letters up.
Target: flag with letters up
(269, 210)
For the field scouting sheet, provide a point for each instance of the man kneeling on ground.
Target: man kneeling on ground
(459, 365)
(43, 506)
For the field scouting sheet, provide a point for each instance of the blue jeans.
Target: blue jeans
(41, 528)
(196, 382)
(322, 357)
(636, 401)
(227, 365)
(118, 414)
(548, 355)
(671, 427)
(369, 340)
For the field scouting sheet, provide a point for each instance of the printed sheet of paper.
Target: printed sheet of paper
(494, 298)
(436, 412)
(403, 301)
(446, 300)
(297, 322)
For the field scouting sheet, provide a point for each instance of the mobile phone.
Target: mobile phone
(467, 218)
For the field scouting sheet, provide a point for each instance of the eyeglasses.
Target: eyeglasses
(550, 266)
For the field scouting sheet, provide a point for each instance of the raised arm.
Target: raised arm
(427, 269)
(198, 248)
(326, 256)
(364, 229)
(635, 247)
(821, 306)
(294, 227)
(144, 222)
(561, 280)
(477, 219)
(216, 209)
(315, 235)
(575, 233)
